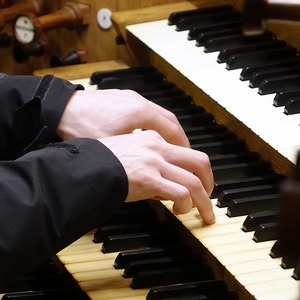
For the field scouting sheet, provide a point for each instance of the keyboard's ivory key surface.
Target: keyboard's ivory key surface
(287, 293)
(245, 259)
(78, 267)
(263, 275)
(222, 85)
(85, 257)
(94, 271)
(276, 285)
(120, 293)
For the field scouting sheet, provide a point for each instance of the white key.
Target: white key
(225, 87)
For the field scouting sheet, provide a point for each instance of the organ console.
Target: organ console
(220, 84)
(28, 27)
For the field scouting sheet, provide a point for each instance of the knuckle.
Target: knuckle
(183, 193)
(205, 159)
(194, 183)
(172, 116)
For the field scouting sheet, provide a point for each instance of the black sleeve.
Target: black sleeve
(52, 196)
(31, 108)
(51, 192)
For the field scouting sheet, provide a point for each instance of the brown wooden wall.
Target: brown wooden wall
(99, 44)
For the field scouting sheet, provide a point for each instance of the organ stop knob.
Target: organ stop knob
(28, 28)
(8, 14)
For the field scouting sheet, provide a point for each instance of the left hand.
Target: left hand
(104, 113)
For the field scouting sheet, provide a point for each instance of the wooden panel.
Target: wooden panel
(81, 71)
(98, 43)
(123, 18)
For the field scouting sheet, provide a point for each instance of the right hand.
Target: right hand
(159, 170)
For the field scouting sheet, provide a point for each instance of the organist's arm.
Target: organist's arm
(109, 113)
(53, 191)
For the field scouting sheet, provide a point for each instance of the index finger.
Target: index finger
(167, 125)
(194, 161)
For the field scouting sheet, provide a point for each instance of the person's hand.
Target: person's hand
(159, 170)
(103, 113)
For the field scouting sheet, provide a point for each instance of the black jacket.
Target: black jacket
(51, 192)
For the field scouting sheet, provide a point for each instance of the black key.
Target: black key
(171, 276)
(267, 232)
(206, 129)
(246, 206)
(163, 86)
(188, 110)
(296, 273)
(173, 92)
(232, 41)
(242, 60)
(176, 16)
(205, 138)
(233, 158)
(204, 296)
(253, 221)
(248, 71)
(109, 230)
(241, 170)
(207, 19)
(203, 118)
(226, 53)
(292, 106)
(117, 243)
(204, 38)
(282, 97)
(126, 257)
(277, 84)
(223, 147)
(172, 103)
(97, 77)
(276, 250)
(258, 77)
(62, 293)
(245, 182)
(211, 287)
(131, 82)
(197, 31)
(161, 97)
(289, 262)
(228, 195)
(160, 263)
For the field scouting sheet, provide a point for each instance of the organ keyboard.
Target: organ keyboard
(244, 264)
